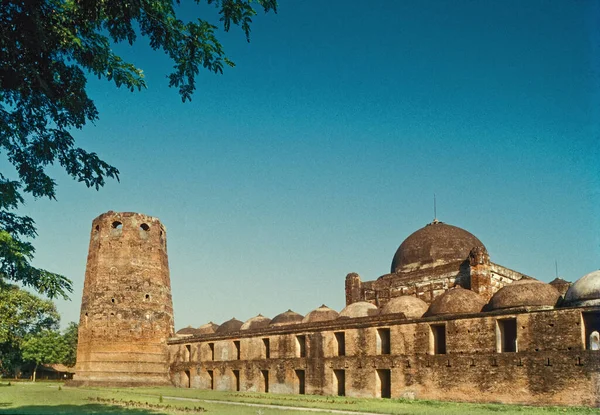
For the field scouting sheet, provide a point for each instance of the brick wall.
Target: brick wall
(550, 366)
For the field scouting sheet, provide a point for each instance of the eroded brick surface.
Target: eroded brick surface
(551, 365)
(524, 354)
(126, 310)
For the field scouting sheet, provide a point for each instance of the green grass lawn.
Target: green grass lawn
(53, 398)
(47, 398)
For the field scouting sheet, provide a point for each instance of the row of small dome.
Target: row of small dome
(526, 292)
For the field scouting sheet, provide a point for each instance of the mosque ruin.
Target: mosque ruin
(446, 323)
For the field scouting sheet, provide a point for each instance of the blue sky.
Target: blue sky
(321, 150)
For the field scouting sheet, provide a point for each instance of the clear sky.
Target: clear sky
(320, 152)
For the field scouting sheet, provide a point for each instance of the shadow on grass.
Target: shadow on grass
(92, 408)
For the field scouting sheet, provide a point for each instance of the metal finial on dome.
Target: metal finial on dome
(435, 219)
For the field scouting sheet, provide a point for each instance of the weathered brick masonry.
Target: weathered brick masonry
(126, 309)
(446, 323)
(550, 367)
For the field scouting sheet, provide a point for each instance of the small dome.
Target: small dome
(186, 331)
(525, 293)
(456, 300)
(257, 322)
(561, 285)
(289, 317)
(435, 244)
(411, 307)
(208, 328)
(585, 291)
(229, 326)
(359, 309)
(322, 313)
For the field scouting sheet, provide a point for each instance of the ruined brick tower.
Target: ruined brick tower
(126, 309)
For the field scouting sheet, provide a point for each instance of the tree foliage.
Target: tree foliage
(48, 48)
(46, 347)
(70, 337)
(21, 314)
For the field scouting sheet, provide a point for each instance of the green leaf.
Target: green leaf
(48, 48)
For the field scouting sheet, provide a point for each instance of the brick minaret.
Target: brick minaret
(126, 309)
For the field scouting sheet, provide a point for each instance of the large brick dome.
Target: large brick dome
(435, 244)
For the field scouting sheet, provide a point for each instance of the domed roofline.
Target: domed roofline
(359, 309)
(207, 328)
(229, 326)
(456, 300)
(524, 293)
(322, 313)
(288, 317)
(411, 307)
(435, 244)
(585, 291)
(256, 322)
